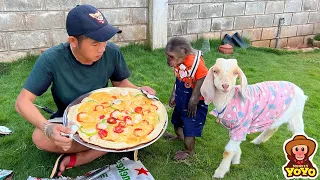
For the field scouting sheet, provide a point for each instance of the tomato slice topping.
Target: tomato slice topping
(114, 97)
(112, 120)
(98, 108)
(80, 116)
(145, 122)
(138, 109)
(102, 133)
(138, 132)
(101, 126)
(128, 120)
(97, 126)
(102, 117)
(117, 129)
(122, 124)
(155, 106)
(115, 113)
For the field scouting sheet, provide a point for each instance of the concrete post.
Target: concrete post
(158, 17)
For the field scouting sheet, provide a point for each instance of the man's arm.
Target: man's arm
(25, 107)
(123, 83)
(127, 83)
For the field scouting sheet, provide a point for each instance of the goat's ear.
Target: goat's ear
(243, 84)
(207, 89)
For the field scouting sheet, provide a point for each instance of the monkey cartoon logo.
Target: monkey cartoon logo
(97, 16)
(299, 152)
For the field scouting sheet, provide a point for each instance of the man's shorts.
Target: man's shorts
(58, 120)
(192, 127)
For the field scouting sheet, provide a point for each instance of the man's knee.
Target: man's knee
(38, 138)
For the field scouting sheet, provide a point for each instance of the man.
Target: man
(85, 63)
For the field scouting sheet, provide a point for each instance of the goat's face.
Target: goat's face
(222, 76)
(225, 73)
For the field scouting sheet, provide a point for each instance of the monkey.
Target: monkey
(299, 150)
(190, 111)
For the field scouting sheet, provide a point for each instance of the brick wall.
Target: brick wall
(254, 19)
(31, 25)
(27, 26)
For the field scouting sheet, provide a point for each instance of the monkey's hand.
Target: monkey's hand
(172, 101)
(192, 107)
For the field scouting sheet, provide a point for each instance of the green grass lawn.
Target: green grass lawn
(18, 153)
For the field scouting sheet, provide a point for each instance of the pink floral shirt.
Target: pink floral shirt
(269, 100)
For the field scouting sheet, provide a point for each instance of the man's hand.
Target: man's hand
(192, 107)
(148, 89)
(53, 132)
(172, 101)
(127, 83)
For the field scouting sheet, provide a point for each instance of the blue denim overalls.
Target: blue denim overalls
(192, 127)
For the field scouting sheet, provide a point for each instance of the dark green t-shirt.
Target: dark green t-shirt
(69, 78)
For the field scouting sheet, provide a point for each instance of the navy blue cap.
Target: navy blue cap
(89, 21)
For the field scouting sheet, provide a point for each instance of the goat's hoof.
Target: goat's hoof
(256, 142)
(236, 161)
(218, 174)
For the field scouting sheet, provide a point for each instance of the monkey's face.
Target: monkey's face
(175, 58)
(300, 151)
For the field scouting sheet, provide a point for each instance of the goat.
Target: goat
(245, 109)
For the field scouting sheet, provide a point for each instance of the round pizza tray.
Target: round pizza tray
(77, 138)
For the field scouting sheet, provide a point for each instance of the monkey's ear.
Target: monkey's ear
(184, 51)
(207, 89)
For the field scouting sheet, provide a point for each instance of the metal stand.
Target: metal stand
(135, 155)
(281, 21)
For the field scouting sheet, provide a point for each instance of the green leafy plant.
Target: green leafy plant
(317, 37)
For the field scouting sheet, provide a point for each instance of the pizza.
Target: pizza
(118, 118)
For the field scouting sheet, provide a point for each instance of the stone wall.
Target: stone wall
(254, 19)
(27, 26)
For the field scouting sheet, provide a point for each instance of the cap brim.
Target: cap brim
(103, 34)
